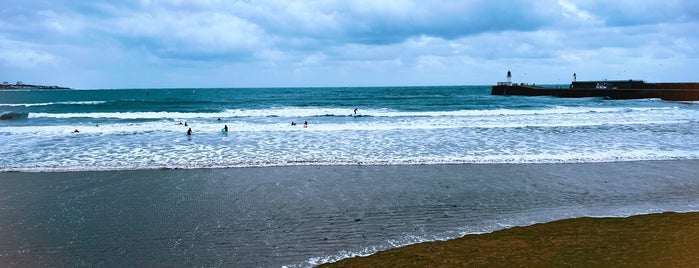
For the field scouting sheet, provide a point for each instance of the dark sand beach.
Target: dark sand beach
(654, 240)
(307, 215)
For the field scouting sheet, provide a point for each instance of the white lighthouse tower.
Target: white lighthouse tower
(509, 80)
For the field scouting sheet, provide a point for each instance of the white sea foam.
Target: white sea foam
(128, 115)
(263, 120)
(51, 103)
(143, 159)
(290, 112)
(264, 137)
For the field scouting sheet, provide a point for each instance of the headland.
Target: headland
(20, 85)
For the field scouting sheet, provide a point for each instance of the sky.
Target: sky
(288, 43)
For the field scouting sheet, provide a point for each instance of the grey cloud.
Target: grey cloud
(347, 23)
(631, 13)
(372, 38)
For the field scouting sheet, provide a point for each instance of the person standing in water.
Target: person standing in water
(189, 132)
(225, 128)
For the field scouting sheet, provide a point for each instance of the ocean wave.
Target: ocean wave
(296, 112)
(51, 103)
(341, 112)
(211, 126)
(122, 115)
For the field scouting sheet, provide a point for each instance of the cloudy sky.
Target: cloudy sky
(217, 43)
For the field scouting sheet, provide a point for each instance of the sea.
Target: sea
(145, 128)
(110, 177)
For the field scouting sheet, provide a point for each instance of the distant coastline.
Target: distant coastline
(20, 85)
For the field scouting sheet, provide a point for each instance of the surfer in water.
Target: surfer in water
(225, 128)
(355, 111)
(305, 124)
(189, 132)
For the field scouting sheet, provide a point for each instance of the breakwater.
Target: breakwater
(631, 89)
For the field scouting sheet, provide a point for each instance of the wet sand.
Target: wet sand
(303, 216)
(654, 240)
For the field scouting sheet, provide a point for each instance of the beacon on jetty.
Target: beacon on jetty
(613, 89)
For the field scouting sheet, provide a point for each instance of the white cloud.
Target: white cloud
(24, 55)
(62, 24)
(571, 11)
(311, 60)
(207, 32)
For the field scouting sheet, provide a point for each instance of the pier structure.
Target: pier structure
(615, 89)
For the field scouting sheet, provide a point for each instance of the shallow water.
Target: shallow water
(139, 128)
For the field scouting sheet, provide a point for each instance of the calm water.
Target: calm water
(139, 128)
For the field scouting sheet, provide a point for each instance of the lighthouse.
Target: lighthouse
(509, 80)
(509, 76)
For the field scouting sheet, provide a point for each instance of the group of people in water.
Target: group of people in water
(225, 127)
(305, 123)
(189, 130)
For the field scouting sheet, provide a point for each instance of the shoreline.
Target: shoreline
(346, 164)
(668, 239)
(307, 215)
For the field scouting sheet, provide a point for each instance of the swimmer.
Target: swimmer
(305, 123)
(185, 123)
(189, 132)
(76, 131)
(225, 128)
(293, 123)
